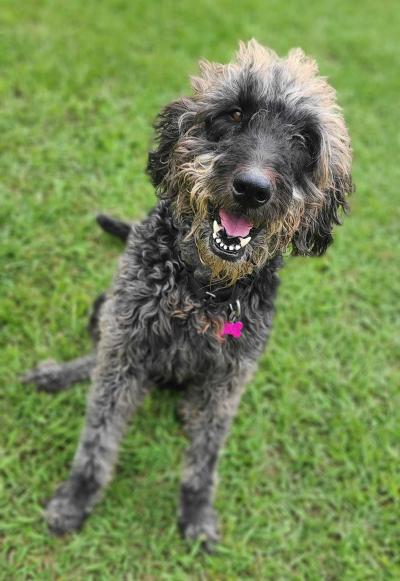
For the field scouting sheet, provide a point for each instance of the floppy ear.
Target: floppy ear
(314, 238)
(327, 190)
(173, 121)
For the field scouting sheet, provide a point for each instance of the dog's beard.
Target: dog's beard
(272, 239)
(273, 236)
(193, 206)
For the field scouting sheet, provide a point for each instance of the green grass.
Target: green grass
(310, 475)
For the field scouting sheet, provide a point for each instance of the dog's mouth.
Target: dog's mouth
(230, 236)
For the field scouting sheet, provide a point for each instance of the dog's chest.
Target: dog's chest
(175, 334)
(182, 340)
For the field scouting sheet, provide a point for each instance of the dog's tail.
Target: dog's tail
(113, 226)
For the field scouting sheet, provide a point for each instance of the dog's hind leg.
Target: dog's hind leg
(51, 376)
(207, 417)
(116, 393)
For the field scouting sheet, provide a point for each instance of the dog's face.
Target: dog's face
(256, 161)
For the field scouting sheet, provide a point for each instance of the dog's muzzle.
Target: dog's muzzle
(231, 234)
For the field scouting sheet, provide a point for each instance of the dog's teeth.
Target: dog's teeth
(218, 240)
(214, 235)
(225, 247)
(231, 247)
(216, 227)
(237, 247)
(245, 241)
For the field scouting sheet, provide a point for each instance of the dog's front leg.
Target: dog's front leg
(115, 394)
(207, 414)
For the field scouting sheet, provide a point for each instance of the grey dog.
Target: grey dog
(255, 163)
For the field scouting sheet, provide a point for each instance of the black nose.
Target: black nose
(251, 189)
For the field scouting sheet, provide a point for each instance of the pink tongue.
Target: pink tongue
(234, 225)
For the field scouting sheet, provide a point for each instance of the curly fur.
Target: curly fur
(158, 325)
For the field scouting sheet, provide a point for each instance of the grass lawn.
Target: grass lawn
(310, 476)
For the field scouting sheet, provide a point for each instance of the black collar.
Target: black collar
(216, 292)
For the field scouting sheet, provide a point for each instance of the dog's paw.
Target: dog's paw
(46, 376)
(65, 513)
(201, 526)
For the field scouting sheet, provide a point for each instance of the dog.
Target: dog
(255, 164)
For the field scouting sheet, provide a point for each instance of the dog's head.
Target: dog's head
(256, 161)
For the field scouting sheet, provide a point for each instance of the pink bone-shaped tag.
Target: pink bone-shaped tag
(234, 329)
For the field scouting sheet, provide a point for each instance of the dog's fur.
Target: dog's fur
(159, 324)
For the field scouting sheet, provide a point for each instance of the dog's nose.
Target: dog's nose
(251, 189)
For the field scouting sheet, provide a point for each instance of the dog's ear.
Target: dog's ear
(328, 180)
(314, 237)
(327, 189)
(173, 121)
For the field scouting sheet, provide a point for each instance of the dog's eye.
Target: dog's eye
(236, 115)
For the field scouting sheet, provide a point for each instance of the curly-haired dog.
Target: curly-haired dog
(255, 162)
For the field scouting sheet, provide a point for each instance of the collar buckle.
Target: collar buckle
(234, 311)
(210, 295)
